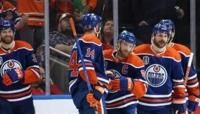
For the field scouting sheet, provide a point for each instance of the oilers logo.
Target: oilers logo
(156, 75)
(10, 64)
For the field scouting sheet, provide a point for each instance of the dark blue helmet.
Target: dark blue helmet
(169, 23)
(161, 28)
(127, 36)
(5, 24)
(90, 21)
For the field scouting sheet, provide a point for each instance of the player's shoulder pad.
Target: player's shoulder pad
(135, 61)
(108, 54)
(173, 54)
(19, 44)
(184, 50)
(91, 38)
(142, 48)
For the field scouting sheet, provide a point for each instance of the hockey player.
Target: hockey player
(192, 81)
(164, 74)
(125, 70)
(91, 47)
(19, 69)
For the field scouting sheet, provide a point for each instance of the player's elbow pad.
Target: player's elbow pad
(139, 88)
(91, 76)
(31, 76)
(194, 91)
(179, 92)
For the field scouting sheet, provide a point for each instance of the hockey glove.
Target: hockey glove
(139, 88)
(179, 108)
(12, 76)
(93, 98)
(113, 74)
(192, 106)
(122, 84)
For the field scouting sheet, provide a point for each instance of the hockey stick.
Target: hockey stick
(188, 71)
(188, 68)
(71, 22)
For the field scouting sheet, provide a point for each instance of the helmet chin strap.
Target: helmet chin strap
(156, 48)
(7, 46)
(97, 30)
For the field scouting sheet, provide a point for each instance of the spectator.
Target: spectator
(183, 26)
(82, 7)
(8, 12)
(57, 8)
(107, 35)
(148, 12)
(125, 14)
(64, 6)
(5, 5)
(13, 15)
(62, 39)
(34, 32)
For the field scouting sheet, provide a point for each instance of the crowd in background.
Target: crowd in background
(138, 16)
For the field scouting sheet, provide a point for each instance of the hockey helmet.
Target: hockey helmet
(161, 28)
(170, 24)
(127, 36)
(90, 21)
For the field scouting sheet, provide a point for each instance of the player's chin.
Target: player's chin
(7, 40)
(162, 45)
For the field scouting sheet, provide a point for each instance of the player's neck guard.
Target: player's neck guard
(156, 49)
(8, 46)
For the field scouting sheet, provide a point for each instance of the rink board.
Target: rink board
(54, 104)
(58, 104)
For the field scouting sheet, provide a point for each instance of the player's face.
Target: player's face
(126, 48)
(7, 36)
(160, 40)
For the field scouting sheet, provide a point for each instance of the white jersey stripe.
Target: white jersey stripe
(154, 105)
(15, 91)
(120, 98)
(20, 99)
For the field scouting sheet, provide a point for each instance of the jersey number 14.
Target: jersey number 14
(73, 64)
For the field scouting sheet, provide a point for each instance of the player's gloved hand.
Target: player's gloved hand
(121, 84)
(93, 98)
(139, 88)
(12, 76)
(179, 108)
(178, 112)
(113, 74)
(192, 106)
